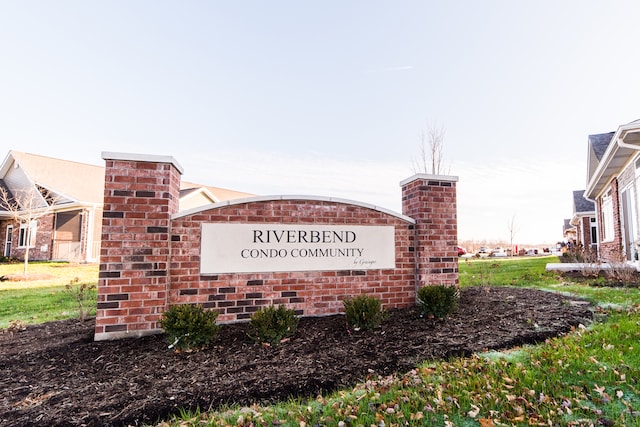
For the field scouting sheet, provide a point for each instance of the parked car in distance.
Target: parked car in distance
(483, 251)
(498, 252)
(461, 250)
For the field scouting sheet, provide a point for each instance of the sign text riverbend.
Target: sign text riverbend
(254, 248)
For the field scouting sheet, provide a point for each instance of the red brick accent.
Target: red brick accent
(150, 260)
(431, 201)
(583, 233)
(611, 250)
(42, 248)
(310, 293)
(139, 198)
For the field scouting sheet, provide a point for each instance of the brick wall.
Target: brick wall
(236, 296)
(42, 247)
(3, 234)
(584, 232)
(431, 201)
(150, 258)
(141, 193)
(610, 251)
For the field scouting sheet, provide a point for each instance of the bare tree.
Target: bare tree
(431, 149)
(26, 207)
(513, 230)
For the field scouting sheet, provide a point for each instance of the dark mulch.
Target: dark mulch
(55, 374)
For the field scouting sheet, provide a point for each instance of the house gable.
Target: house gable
(584, 214)
(219, 194)
(195, 197)
(597, 147)
(582, 205)
(622, 147)
(71, 181)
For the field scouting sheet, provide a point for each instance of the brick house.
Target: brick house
(568, 230)
(613, 182)
(584, 222)
(72, 195)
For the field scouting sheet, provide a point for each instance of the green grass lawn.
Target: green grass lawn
(517, 271)
(42, 295)
(591, 376)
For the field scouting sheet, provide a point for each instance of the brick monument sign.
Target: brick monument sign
(308, 253)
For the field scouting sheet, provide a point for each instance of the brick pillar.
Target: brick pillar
(431, 201)
(141, 193)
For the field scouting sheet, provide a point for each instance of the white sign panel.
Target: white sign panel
(255, 248)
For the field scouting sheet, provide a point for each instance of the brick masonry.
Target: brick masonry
(431, 201)
(150, 255)
(140, 195)
(610, 250)
(310, 293)
(41, 249)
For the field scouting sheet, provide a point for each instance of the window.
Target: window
(31, 231)
(594, 231)
(607, 217)
(7, 241)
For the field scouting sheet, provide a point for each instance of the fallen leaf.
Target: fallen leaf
(417, 416)
(474, 411)
(486, 422)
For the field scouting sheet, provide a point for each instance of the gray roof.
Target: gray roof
(599, 143)
(580, 204)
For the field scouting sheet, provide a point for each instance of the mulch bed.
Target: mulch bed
(54, 374)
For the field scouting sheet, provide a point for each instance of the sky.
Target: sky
(330, 98)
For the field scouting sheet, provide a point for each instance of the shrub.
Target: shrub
(271, 325)
(16, 326)
(83, 294)
(189, 327)
(363, 312)
(438, 301)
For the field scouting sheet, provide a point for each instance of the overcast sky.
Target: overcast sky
(329, 98)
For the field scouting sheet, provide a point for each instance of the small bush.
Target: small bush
(189, 327)
(363, 312)
(83, 294)
(270, 325)
(16, 326)
(438, 301)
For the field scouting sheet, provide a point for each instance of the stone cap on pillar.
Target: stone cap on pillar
(428, 177)
(150, 158)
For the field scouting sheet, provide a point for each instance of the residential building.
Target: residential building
(568, 230)
(584, 222)
(612, 184)
(66, 200)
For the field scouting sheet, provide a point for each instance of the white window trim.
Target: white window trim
(32, 234)
(593, 231)
(8, 240)
(608, 234)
